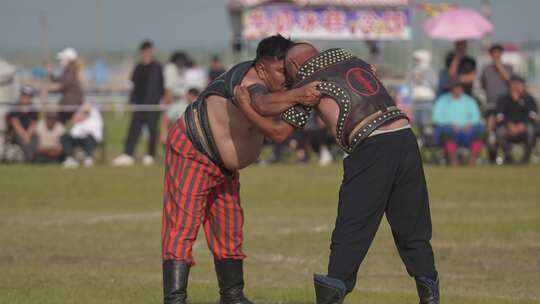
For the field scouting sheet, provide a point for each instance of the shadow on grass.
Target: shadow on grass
(259, 302)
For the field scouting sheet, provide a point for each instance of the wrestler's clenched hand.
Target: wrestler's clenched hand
(309, 94)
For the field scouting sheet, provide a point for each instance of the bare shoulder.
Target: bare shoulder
(212, 99)
(251, 78)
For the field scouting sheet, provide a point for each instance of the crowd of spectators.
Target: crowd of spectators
(464, 122)
(47, 139)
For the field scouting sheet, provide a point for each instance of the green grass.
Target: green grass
(93, 236)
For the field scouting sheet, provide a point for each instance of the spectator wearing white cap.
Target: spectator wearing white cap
(69, 83)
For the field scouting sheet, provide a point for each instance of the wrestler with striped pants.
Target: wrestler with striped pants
(205, 149)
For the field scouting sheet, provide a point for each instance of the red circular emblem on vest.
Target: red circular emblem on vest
(362, 81)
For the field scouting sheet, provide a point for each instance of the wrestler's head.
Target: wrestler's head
(296, 56)
(269, 61)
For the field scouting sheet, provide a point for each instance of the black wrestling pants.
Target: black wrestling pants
(149, 119)
(383, 175)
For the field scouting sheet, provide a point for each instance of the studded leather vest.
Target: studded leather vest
(364, 104)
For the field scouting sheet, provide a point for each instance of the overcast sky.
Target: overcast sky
(182, 23)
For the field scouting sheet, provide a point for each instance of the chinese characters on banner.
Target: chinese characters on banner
(327, 23)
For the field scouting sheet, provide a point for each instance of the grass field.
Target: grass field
(92, 236)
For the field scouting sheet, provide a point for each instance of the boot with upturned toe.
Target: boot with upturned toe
(329, 290)
(175, 281)
(230, 275)
(428, 289)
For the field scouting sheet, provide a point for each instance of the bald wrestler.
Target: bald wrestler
(205, 149)
(383, 172)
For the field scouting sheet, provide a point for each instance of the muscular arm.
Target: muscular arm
(272, 104)
(275, 129)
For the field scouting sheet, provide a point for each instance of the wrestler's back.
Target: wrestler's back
(328, 109)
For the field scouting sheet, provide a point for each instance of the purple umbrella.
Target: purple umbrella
(458, 24)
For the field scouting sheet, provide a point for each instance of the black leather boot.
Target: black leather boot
(230, 275)
(428, 289)
(175, 281)
(329, 290)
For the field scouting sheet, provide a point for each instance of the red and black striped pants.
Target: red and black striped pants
(195, 192)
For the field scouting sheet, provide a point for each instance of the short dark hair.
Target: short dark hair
(496, 47)
(179, 58)
(273, 47)
(146, 44)
(194, 91)
(517, 78)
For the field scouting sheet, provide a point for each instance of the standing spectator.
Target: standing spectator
(21, 121)
(69, 83)
(462, 67)
(444, 79)
(321, 142)
(148, 89)
(174, 112)
(216, 68)
(516, 115)
(86, 132)
(457, 118)
(175, 84)
(423, 81)
(495, 78)
(49, 132)
(195, 76)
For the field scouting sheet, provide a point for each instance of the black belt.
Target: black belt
(199, 132)
(359, 135)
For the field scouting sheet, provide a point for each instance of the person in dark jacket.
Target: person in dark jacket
(148, 89)
(516, 117)
(21, 121)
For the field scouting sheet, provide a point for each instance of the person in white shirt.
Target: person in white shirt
(86, 132)
(173, 74)
(49, 131)
(195, 77)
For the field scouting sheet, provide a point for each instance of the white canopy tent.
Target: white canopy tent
(8, 88)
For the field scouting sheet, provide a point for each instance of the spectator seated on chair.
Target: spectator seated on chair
(21, 121)
(86, 132)
(516, 117)
(457, 119)
(49, 131)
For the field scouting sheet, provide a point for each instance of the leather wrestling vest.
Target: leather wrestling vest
(196, 116)
(364, 104)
